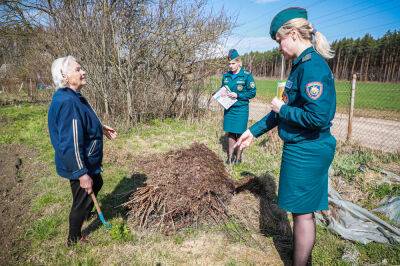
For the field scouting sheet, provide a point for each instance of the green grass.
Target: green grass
(45, 228)
(125, 245)
(386, 190)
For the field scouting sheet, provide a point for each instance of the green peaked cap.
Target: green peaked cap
(232, 54)
(284, 16)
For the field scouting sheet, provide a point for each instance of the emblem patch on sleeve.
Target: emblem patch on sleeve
(314, 89)
(240, 87)
(289, 84)
(252, 85)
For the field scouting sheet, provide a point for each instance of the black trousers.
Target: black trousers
(82, 205)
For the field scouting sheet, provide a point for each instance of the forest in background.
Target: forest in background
(371, 59)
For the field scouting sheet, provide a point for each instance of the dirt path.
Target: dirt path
(374, 133)
(379, 134)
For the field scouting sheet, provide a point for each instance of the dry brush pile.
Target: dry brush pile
(185, 187)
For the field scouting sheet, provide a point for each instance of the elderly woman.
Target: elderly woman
(304, 120)
(76, 134)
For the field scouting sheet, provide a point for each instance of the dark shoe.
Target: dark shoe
(238, 161)
(231, 161)
(82, 240)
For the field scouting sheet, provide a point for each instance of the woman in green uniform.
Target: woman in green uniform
(243, 88)
(304, 120)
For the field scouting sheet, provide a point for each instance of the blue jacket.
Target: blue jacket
(76, 134)
(310, 101)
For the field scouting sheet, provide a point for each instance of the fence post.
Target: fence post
(351, 111)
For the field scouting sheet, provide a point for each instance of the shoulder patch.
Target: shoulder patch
(252, 85)
(289, 84)
(306, 58)
(314, 89)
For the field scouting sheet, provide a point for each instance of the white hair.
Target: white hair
(59, 68)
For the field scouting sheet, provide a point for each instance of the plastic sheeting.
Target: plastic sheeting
(391, 208)
(355, 223)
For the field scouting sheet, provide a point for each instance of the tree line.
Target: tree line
(371, 59)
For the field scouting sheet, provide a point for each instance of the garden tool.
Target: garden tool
(99, 212)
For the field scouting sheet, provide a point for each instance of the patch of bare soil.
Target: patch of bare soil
(184, 188)
(16, 170)
(256, 208)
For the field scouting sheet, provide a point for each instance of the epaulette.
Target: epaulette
(306, 57)
(247, 72)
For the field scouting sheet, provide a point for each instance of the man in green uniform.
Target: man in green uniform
(304, 120)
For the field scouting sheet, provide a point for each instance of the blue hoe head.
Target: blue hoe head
(103, 221)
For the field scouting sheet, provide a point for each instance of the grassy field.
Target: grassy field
(369, 95)
(45, 228)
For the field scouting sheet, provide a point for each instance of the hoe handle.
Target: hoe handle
(95, 203)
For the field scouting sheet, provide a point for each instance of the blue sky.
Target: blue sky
(336, 19)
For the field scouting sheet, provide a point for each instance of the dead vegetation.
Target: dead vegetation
(185, 187)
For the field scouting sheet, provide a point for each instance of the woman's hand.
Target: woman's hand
(232, 95)
(86, 182)
(276, 105)
(109, 132)
(245, 140)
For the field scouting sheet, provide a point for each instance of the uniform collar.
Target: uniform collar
(307, 51)
(240, 73)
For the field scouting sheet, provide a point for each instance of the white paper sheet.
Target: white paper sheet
(223, 99)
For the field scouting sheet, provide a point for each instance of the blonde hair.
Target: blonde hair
(308, 32)
(60, 68)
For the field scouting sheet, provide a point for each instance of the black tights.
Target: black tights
(303, 238)
(232, 139)
(82, 204)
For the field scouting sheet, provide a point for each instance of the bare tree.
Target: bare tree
(144, 59)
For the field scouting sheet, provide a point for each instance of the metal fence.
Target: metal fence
(368, 113)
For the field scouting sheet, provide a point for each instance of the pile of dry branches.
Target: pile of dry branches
(185, 187)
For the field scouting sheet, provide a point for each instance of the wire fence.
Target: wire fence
(371, 119)
(368, 113)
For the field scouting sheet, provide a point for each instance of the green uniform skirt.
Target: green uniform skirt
(236, 118)
(303, 182)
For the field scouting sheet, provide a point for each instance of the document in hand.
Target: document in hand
(222, 97)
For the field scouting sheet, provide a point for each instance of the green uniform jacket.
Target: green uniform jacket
(236, 117)
(304, 125)
(310, 99)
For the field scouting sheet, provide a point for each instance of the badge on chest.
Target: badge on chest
(240, 84)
